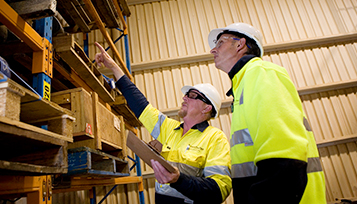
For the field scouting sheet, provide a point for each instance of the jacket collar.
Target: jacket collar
(199, 126)
(237, 67)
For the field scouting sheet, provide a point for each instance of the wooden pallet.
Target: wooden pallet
(75, 57)
(34, 9)
(25, 147)
(76, 14)
(121, 107)
(351, 200)
(84, 161)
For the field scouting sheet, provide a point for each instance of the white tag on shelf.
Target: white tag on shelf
(117, 123)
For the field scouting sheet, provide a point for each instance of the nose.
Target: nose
(213, 50)
(184, 98)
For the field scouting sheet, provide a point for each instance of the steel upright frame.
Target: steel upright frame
(127, 71)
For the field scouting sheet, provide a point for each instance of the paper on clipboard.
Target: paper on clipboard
(146, 153)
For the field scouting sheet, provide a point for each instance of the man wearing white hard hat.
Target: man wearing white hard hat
(198, 151)
(273, 150)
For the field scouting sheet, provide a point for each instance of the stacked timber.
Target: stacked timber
(25, 147)
(100, 110)
(79, 19)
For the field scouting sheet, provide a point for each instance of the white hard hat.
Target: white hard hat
(209, 91)
(242, 28)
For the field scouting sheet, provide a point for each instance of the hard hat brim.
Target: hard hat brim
(186, 88)
(212, 36)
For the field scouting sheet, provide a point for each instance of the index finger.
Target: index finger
(102, 50)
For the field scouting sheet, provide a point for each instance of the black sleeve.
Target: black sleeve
(198, 189)
(136, 100)
(279, 181)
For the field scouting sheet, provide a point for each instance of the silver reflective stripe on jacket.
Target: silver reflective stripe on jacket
(166, 190)
(212, 170)
(241, 98)
(307, 125)
(241, 136)
(156, 131)
(198, 172)
(187, 169)
(313, 165)
(244, 170)
(249, 169)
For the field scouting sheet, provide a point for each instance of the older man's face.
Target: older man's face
(225, 51)
(192, 104)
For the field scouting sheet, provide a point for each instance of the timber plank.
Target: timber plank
(107, 13)
(41, 110)
(121, 107)
(22, 168)
(14, 127)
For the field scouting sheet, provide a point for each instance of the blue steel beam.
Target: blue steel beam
(42, 81)
(128, 66)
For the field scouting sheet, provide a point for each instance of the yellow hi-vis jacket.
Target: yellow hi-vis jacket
(268, 122)
(199, 154)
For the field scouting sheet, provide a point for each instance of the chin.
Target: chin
(182, 113)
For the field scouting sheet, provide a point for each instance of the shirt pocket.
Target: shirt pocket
(165, 152)
(193, 162)
(194, 157)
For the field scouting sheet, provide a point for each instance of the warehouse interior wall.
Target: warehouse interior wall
(315, 40)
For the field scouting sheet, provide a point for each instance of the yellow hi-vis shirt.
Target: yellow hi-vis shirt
(268, 121)
(200, 154)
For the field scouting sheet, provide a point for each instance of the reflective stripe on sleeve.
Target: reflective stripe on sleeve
(241, 99)
(307, 125)
(249, 169)
(244, 170)
(187, 169)
(211, 170)
(313, 165)
(165, 189)
(241, 136)
(156, 131)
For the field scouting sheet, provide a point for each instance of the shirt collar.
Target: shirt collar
(237, 67)
(199, 126)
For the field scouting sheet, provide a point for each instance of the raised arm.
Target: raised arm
(104, 58)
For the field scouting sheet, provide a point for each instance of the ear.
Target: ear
(240, 44)
(207, 109)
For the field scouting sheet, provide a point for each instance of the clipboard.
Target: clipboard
(145, 152)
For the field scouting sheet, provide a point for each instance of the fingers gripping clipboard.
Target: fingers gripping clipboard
(145, 152)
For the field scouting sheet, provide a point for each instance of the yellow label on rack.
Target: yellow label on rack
(46, 91)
